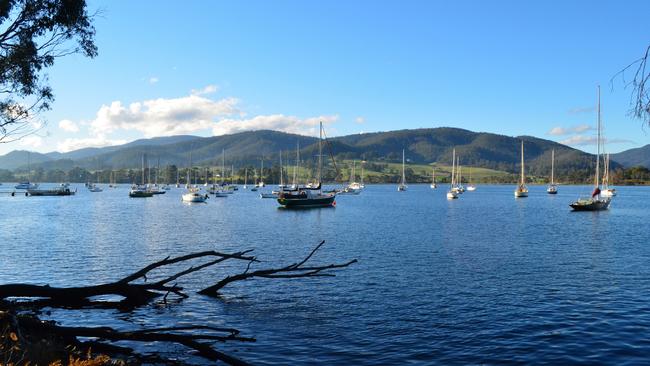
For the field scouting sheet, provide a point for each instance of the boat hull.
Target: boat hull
(328, 201)
(452, 195)
(591, 205)
(521, 194)
(50, 192)
(140, 194)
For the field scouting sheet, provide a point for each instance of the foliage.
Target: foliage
(34, 34)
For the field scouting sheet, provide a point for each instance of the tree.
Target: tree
(34, 33)
(640, 101)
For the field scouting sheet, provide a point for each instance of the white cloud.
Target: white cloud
(32, 141)
(561, 131)
(205, 91)
(153, 80)
(97, 141)
(163, 117)
(69, 126)
(360, 120)
(276, 122)
(184, 115)
(581, 140)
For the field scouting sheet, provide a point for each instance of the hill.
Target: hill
(423, 146)
(634, 157)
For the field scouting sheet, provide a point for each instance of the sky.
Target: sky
(217, 67)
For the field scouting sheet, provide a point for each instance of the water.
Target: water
(486, 278)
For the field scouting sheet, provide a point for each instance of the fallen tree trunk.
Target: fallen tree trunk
(135, 290)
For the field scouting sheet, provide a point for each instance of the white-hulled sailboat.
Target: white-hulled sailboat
(522, 190)
(353, 187)
(607, 191)
(552, 187)
(453, 192)
(470, 186)
(193, 194)
(402, 185)
(433, 184)
(596, 202)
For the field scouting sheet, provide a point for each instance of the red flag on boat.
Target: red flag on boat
(596, 192)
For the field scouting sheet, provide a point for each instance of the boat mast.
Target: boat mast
(295, 167)
(453, 168)
(281, 180)
(320, 152)
(403, 173)
(552, 167)
(522, 164)
(223, 165)
(189, 172)
(598, 143)
(143, 169)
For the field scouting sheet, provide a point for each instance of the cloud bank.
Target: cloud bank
(195, 113)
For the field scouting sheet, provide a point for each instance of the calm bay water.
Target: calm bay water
(483, 279)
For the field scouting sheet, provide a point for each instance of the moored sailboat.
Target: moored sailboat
(596, 202)
(433, 184)
(309, 196)
(552, 187)
(607, 191)
(402, 185)
(453, 192)
(522, 190)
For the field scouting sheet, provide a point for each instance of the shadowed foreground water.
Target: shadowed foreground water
(483, 279)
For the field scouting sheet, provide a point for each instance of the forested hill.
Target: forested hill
(421, 146)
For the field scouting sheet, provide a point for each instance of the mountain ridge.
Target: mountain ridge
(423, 146)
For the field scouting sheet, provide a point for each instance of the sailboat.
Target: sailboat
(193, 194)
(218, 190)
(140, 191)
(94, 187)
(402, 185)
(552, 187)
(275, 193)
(254, 188)
(470, 186)
(433, 184)
(155, 189)
(607, 192)
(178, 182)
(596, 202)
(361, 184)
(261, 183)
(353, 188)
(309, 196)
(453, 191)
(26, 184)
(246, 178)
(459, 177)
(522, 190)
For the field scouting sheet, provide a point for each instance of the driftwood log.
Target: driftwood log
(133, 291)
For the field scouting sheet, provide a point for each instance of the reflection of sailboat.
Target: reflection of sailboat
(402, 185)
(309, 196)
(607, 192)
(552, 187)
(596, 202)
(453, 192)
(522, 190)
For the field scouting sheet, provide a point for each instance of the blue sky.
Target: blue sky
(215, 67)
